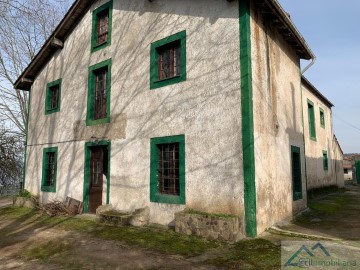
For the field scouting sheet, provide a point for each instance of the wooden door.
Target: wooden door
(96, 178)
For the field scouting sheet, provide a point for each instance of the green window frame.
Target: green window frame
(311, 119)
(325, 160)
(107, 7)
(296, 173)
(322, 118)
(53, 97)
(90, 120)
(49, 169)
(155, 194)
(178, 40)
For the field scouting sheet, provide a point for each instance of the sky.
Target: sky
(332, 30)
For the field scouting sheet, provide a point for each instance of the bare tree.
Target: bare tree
(24, 27)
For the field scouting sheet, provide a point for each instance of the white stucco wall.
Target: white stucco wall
(348, 176)
(277, 123)
(205, 108)
(317, 177)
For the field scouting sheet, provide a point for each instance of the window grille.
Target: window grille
(102, 27)
(100, 94)
(169, 174)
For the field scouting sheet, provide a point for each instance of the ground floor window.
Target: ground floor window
(167, 175)
(325, 161)
(296, 173)
(48, 182)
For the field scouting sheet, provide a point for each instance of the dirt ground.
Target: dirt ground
(26, 243)
(336, 215)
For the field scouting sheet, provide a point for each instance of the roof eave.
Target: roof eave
(316, 92)
(52, 44)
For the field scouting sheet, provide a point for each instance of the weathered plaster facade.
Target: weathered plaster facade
(317, 174)
(205, 108)
(234, 56)
(277, 123)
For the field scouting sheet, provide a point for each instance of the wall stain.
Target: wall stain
(116, 129)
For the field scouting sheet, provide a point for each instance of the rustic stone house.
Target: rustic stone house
(170, 105)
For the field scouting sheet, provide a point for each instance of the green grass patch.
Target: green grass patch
(155, 238)
(165, 241)
(251, 254)
(26, 194)
(14, 212)
(46, 250)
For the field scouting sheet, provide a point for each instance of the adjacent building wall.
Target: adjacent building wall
(277, 123)
(205, 108)
(317, 175)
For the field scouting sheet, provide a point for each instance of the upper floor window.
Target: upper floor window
(322, 118)
(168, 60)
(311, 119)
(101, 27)
(99, 85)
(52, 101)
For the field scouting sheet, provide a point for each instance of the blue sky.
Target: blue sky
(332, 30)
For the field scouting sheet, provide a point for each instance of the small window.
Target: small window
(101, 27)
(168, 61)
(48, 183)
(296, 173)
(322, 118)
(311, 119)
(98, 111)
(167, 176)
(346, 171)
(325, 161)
(52, 102)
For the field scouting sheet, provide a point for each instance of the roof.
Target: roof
(316, 92)
(347, 166)
(274, 11)
(270, 8)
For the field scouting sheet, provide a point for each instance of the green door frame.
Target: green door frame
(357, 168)
(88, 145)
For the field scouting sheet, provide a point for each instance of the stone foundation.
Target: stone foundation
(209, 226)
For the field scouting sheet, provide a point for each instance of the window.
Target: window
(325, 161)
(167, 175)
(98, 110)
(52, 100)
(346, 171)
(322, 118)
(101, 27)
(48, 183)
(311, 116)
(296, 173)
(168, 61)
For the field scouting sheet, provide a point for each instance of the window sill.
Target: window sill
(168, 81)
(100, 46)
(313, 139)
(168, 199)
(48, 189)
(47, 112)
(90, 122)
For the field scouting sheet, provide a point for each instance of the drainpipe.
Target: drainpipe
(309, 65)
(302, 109)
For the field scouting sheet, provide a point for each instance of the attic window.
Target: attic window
(52, 102)
(169, 63)
(101, 27)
